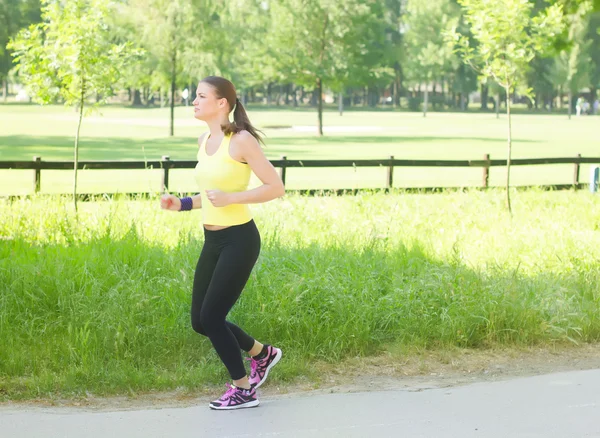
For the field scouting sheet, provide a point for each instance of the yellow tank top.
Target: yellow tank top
(221, 172)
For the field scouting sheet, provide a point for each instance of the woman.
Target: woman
(226, 156)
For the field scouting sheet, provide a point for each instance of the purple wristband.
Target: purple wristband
(186, 204)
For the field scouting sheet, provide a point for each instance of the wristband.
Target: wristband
(186, 204)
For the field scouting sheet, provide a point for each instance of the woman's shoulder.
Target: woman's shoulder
(243, 136)
(244, 140)
(201, 138)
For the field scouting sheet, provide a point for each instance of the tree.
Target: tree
(318, 43)
(508, 39)
(165, 28)
(594, 37)
(572, 65)
(428, 56)
(14, 14)
(394, 20)
(70, 56)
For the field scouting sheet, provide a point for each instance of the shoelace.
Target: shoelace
(229, 392)
(253, 364)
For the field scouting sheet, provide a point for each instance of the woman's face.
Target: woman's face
(206, 103)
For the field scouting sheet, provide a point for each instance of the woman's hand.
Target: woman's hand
(170, 202)
(218, 198)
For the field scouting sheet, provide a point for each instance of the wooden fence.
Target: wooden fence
(37, 165)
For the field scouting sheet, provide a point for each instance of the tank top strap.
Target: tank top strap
(224, 147)
(202, 147)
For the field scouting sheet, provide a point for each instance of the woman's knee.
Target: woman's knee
(197, 325)
(210, 322)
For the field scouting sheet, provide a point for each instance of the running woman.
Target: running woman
(227, 155)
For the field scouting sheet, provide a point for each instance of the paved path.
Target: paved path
(562, 405)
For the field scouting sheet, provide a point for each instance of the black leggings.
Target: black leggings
(224, 266)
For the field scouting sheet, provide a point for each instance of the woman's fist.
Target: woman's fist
(170, 202)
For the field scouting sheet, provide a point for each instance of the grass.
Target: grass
(136, 134)
(99, 302)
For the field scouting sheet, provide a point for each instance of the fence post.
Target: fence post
(594, 177)
(486, 171)
(37, 174)
(165, 177)
(282, 170)
(576, 173)
(390, 173)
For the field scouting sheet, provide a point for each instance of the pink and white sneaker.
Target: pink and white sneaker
(260, 368)
(236, 398)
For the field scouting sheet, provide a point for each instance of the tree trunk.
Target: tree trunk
(173, 85)
(278, 96)
(498, 105)
(509, 151)
(320, 102)
(484, 97)
(162, 101)
(295, 97)
(288, 90)
(341, 103)
(373, 97)
(560, 99)
(137, 99)
(269, 94)
(397, 84)
(76, 152)
(4, 90)
(425, 100)
(443, 93)
(570, 103)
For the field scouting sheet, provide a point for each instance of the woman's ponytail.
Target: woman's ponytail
(241, 122)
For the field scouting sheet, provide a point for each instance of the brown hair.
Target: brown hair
(225, 89)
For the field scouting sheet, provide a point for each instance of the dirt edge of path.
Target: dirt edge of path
(417, 371)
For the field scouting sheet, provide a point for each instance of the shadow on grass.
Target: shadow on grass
(399, 140)
(24, 147)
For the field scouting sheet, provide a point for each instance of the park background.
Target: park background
(95, 301)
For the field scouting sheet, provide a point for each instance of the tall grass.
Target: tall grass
(100, 302)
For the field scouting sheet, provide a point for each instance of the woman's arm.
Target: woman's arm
(196, 201)
(173, 203)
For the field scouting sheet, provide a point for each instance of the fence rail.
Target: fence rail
(37, 165)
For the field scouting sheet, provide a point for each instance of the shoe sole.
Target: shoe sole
(278, 357)
(251, 404)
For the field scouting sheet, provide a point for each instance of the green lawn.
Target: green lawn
(131, 134)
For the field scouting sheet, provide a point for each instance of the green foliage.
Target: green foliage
(427, 54)
(508, 37)
(70, 54)
(14, 14)
(340, 43)
(573, 65)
